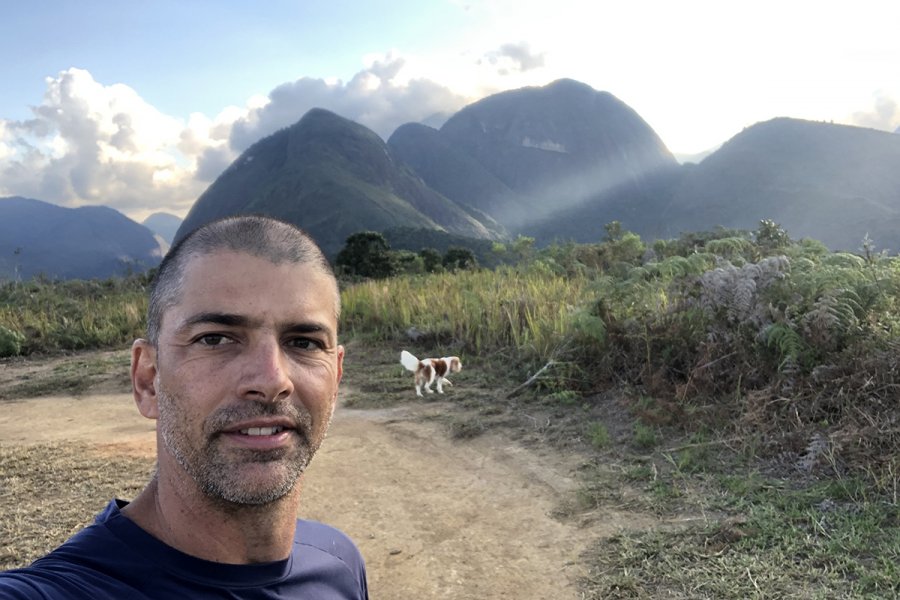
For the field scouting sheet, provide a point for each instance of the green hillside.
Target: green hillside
(333, 178)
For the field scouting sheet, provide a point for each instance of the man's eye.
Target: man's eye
(304, 344)
(213, 339)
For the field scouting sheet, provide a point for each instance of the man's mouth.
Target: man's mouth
(255, 431)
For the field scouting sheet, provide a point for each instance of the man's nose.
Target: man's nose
(266, 373)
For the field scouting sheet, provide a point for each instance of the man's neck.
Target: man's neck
(216, 531)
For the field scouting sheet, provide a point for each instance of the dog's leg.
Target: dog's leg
(431, 376)
(420, 382)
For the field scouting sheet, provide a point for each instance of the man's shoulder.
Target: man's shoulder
(17, 585)
(326, 538)
(76, 569)
(327, 557)
(109, 560)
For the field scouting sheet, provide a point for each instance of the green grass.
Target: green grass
(644, 436)
(599, 436)
(763, 538)
(51, 317)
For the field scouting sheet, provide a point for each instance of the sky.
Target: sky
(141, 105)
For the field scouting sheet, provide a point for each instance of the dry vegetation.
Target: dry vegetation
(47, 489)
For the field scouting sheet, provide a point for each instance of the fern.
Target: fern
(833, 318)
(735, 292)
(731, 248)
(701, 262)
(788, 344)
(843, 259)
(679, 267)
(589, 328)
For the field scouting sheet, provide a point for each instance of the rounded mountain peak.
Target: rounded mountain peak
(531, 135)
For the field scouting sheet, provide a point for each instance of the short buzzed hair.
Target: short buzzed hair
(265, 237)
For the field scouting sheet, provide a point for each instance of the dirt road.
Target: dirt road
(434, 517)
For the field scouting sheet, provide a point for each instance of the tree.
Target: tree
(771, 235)
(614, 231)
(407, 262)
(367, 254)
(523, 248)
(459, 258)
(431, 260)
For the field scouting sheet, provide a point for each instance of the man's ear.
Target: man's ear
(143, 378)
(340, 364)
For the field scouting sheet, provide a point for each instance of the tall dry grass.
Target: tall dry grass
(45, 316)
(528, 309)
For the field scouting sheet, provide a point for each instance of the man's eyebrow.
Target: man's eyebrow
(234, 320)
(215, 318)
(311, 327)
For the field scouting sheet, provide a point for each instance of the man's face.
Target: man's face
(248, 368)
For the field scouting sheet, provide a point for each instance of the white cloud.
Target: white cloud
(379, 97)
(515, 58)
(95, 144)
(885, 114)
(6, 149)
(90, 143)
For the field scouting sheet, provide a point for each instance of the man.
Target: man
(240, 370)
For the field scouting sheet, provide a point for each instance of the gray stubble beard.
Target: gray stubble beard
(214, 472)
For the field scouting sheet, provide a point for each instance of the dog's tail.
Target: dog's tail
(410, 362)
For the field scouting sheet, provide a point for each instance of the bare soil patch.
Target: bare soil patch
(435, 516)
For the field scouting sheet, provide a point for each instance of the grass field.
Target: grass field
(741, 387)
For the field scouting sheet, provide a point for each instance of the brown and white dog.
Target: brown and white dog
(430, 370)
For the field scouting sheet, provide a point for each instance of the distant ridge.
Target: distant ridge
(71, 243)
(535, 134)
(834, 183)
(163, 224)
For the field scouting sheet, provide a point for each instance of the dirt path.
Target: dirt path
(434, 517)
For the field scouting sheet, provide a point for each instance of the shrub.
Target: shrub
(10, 342)
(600, 437)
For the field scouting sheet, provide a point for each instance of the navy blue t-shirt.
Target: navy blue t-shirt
(115, 559)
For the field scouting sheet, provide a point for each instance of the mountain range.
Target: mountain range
(834, 183)
(496, 168)
(333, 177)
(71, 243)
(556, 162)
